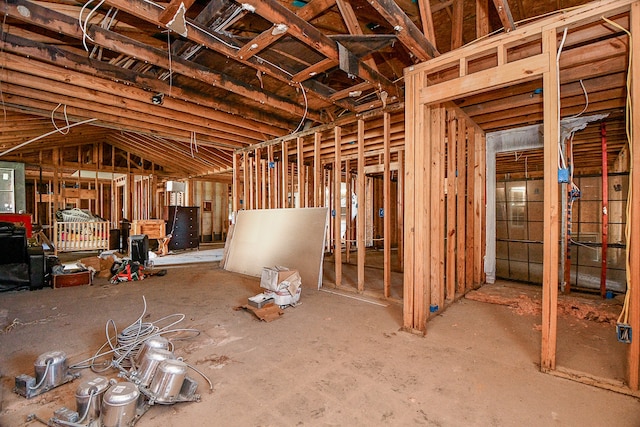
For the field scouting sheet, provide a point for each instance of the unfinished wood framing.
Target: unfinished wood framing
(387, 206)
(509, 60)
(634, 221)
(337, 205)
(348, 154)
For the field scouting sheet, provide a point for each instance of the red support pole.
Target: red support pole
(605, 211)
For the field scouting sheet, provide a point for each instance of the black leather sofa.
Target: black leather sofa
(21, 266)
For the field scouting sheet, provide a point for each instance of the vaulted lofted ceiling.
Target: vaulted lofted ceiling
(184, 83)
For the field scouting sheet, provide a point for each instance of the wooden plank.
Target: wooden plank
(266, 38)
(284, 185)
(245, 181)
(258, 185)
(550, 250)
(301, 202)
(441, 206)
(311, 71)
(318, 193)
(409, 35)
(480, 210)
(452, 144)
(472, 204)
(426, 18)
(409, 279)
(421, 222)
(462, 188)
(251, 185)
(361, 219)
(348, 232)
(634, 241)
(456, 24)
(353, 26)
(482, 18)
(311, 36)
(400, 214)
(435, 203)
(386, 206)
(58, 22)
(504, 11)
(337, 210)
(494, 78)
(172, 8)
(271, 175)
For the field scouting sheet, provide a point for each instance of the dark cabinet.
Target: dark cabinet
(183, 225)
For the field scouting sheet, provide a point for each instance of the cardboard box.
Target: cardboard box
(272, 277)
(93, 262)
(72, 279)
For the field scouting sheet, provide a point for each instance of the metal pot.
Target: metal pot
(56, 373)
(119, 405)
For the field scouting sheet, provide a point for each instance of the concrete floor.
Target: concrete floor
(333, 360)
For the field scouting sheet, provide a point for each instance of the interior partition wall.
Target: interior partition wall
(450, 77)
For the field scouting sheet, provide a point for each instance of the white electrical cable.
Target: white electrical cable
(43, 136)
(586, 101)
(624, 314)
(260, 59)
(63, 131)
(562, 163)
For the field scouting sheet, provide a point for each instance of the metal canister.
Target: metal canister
(89, 398)
(149, 364)
(167, 381)
(56, 373)
(119, 405)
(152, 342)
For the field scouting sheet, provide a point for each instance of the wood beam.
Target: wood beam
(55, 21)
(482, 18)
(504, 11)
(551, 206)
(362, 216)
(268, 37)
(222, 44)
(337, 205)
(353, 26)
(633, 287)
(386, 208)
(408, 34)
(456, 24)
(426, 16)
(172, 8)
(107, 107)
(311, 36)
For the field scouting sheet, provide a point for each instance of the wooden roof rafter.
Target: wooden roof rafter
(58, 22)
(408, 33)
(311, 36)
(225, 45)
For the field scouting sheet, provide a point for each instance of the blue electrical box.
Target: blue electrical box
(563, 175)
